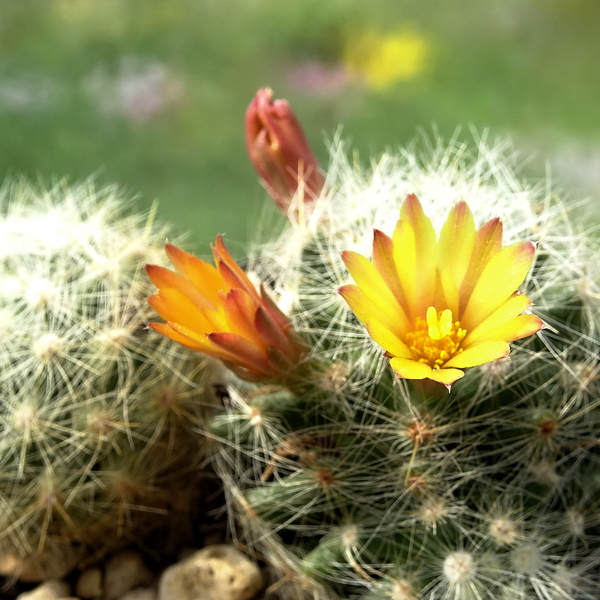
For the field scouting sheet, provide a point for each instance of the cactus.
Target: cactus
(359, 483)
(96, 412)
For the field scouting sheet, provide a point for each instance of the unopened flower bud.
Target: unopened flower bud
(280, 152)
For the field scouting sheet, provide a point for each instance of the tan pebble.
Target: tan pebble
(89, 584)
(219, 572)
(125, 571)
(140, 594)
(53, 589)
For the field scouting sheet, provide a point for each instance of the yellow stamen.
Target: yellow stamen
(436, 340)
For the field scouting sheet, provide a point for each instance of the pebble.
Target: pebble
(53, 589)
(125, 571)
(89, 584)
(219, 572)
(140, 594)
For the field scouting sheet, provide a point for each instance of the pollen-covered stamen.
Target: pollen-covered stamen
(436, 340)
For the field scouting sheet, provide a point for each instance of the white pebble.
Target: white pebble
(125, 571)
(89, 584)
(54, 589)
(219, 572)
(140, 594)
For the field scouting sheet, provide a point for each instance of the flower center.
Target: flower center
(436, 340)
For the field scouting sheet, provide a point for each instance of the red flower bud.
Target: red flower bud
(280, 152)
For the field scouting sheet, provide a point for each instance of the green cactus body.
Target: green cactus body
(364, 485)
(95, 411)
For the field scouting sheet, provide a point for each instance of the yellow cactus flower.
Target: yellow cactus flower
(218, 311)
(440, 306)
(383, 60)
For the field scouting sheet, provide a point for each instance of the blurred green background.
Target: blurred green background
(151, 93)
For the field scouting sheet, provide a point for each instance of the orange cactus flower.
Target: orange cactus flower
(219, 312)
(440, 306)
(280, 152)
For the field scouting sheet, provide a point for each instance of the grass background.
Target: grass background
(151, 93)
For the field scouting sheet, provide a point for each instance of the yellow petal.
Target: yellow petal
(405, 259)
(499, 280)
(369, 280)
(410, 369)
(416, 256)
(446, 376)
(457, 239)
(383, 259)
(479, 354)
(449, 292)
(515, 329)
(387, 340)
(488, 242)
(506, 312)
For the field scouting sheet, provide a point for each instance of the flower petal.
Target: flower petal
(165, 279)
(388, 340)
(383, 259)
(365, 310)
(415, 256)
(479, 354)
(239, 311)
(457, 239)
(168, 331)
(515, 329)
(499, 280)
(410, 369)
(370, 281)
(446, 376)
(506, 312)
(174, 307)
(488, 242)
(241, 351)
(201, 274)
(231, 272)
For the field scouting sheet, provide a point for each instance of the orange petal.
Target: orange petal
(369, 280)
(488, 242)
(230, 270)
(271, 334)
(241, 351)
(166, 330)
(479, 354)
(387, 340)
(506, 312)
(164, 279)
(239, 311)
(201, 274)
(273, 310)
(173, 306)
(499, 280)
(457, 239)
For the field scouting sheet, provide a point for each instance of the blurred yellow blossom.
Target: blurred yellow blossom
(382, 60)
